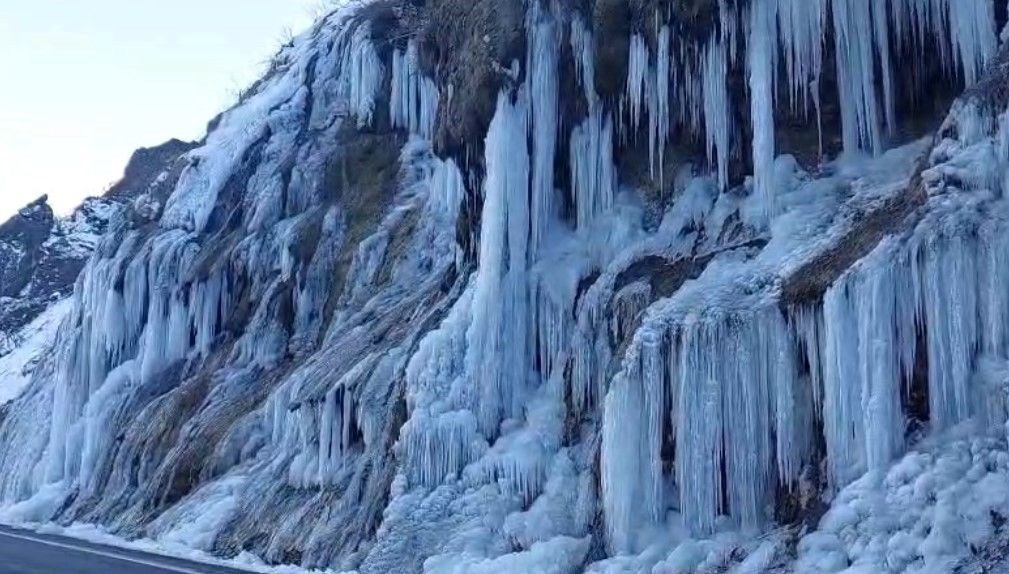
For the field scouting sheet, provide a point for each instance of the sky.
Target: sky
(83, 83)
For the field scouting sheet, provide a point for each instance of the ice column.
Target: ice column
(869, 339)
(762, 58)
(717, 126)
(856, 75)
(593, 170)
(498, 336)
(543, 88)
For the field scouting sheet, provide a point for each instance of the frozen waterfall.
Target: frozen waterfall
(620, 331)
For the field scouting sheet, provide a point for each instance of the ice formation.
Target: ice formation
(544, 124)
(789, 36)
(593, 171)
(716, 105)
(520, 361)
(414, 98)
(761, 67)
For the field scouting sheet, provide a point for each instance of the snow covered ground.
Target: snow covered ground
(98, 535)
(930, 512)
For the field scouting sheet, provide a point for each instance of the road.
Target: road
(26, 552)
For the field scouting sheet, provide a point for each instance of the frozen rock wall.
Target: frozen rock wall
(458, 288)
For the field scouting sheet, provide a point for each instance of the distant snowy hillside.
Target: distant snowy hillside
(41, 256)
(28, 348)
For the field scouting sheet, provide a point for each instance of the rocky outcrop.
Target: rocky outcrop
(40, 258)
(149, 167)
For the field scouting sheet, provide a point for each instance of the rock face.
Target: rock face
(548, 287)
(150, 167)
(23, 236)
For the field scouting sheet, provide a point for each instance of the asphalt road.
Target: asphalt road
(25, 552)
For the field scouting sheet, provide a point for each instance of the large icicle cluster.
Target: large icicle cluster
(473, 372)
(721, 415)
(678, 84)
(934, 296)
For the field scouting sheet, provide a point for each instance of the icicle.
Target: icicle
(400, 98)
(593, 169)
(591, 354)
(621, 464)
(901, 19)
(717, 119)
(949, 288)
(330, 421)
(728, 22)
(842, 388)
(724, 416)
(648, 90)
(637, 80)
(439, 448)
(995, 297)
(656, 414)
(689, 78)
(801, 25)
(581, 48)
(856, 75)
(206, 310)
(863, 35)
(361, 75)
(413, 104)
(792, 400)
(746, 388)
(543, 94)
(931, 26)
(659, 116)
(762, 58)
(553, 332)
(881, 28)
(942, 279)
(869, 339)
(447, 188)
(972, 31)
(883, 338)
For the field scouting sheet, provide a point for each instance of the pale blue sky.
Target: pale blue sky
(85, 82)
